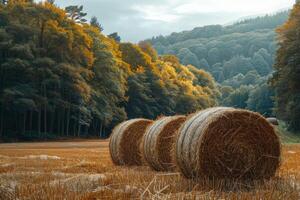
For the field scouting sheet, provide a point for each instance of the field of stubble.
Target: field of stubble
(84, 170)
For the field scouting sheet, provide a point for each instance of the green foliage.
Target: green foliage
(240, 58)
(75, 13)
(239, 97)
(94, 22)
(60, 76)
(261, 99)
(148, 49)
(115, 36)
(286, 77)
(226, 51)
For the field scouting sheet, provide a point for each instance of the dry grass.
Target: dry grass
(84, 170)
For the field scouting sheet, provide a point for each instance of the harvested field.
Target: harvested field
(84, 170)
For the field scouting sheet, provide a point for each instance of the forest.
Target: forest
(60, 76)
(240, 57)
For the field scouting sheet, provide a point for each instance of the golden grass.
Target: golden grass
(84, 170)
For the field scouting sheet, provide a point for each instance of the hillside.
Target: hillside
(61, 76)
(239, 56)
(258, 23)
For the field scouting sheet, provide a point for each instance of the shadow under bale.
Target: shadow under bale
(125, 144)
(227, 143)
(159, 143)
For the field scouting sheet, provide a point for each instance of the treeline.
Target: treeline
(240, 57)
(60, 75)
(286, 79)
(255, 62)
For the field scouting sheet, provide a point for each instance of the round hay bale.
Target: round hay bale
(159, 143)
(227, 143)
(126, 142)
(273, 121)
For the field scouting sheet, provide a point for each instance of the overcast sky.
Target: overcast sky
(136, 20)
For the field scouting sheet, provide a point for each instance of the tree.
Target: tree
(286, 77)
(51, 1)
(239, 97)
(261, 100)
(115, 36)
(203, 64)
(188, 58)
(148, 49)
(236, 65)
(62, 77)
(94, 22)
(76, 13)
(261, 66)
(213, 56)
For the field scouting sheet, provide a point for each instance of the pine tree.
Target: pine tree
(76, 13)
(115, 36)
(94, 22)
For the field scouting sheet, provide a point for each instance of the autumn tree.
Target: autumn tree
(286, 77)
(60, 76)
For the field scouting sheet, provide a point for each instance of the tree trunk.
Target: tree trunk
(101, 128)
(68, 120)
(39, 120)
(58, 123)
(79, 130)
(45, 110)
(79, 124)
(42, 34)
(30, 120)
(74, 128)
(24, 124)
(63, 122)
(2, 120)
(52, 121)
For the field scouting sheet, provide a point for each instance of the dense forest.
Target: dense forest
(240, 57)
(60, 76)
(286, 79)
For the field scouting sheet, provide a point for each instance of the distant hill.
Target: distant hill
(264, 22)
(250, 42)
(239, 56)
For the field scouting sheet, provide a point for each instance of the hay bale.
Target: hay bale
(227, 143)
(159, 143)
(126, 142)
(273, 121)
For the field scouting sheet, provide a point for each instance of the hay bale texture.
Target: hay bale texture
(125, 144)
(227, 143)
(159, 143)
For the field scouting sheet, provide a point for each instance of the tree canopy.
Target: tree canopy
(60, 75)
(286, 77)
(240, 57)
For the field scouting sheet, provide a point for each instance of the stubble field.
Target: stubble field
(84, 170)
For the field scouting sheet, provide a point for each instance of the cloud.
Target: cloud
(156, 13)
(136, 20)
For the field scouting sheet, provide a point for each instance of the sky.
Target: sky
(137, 20)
